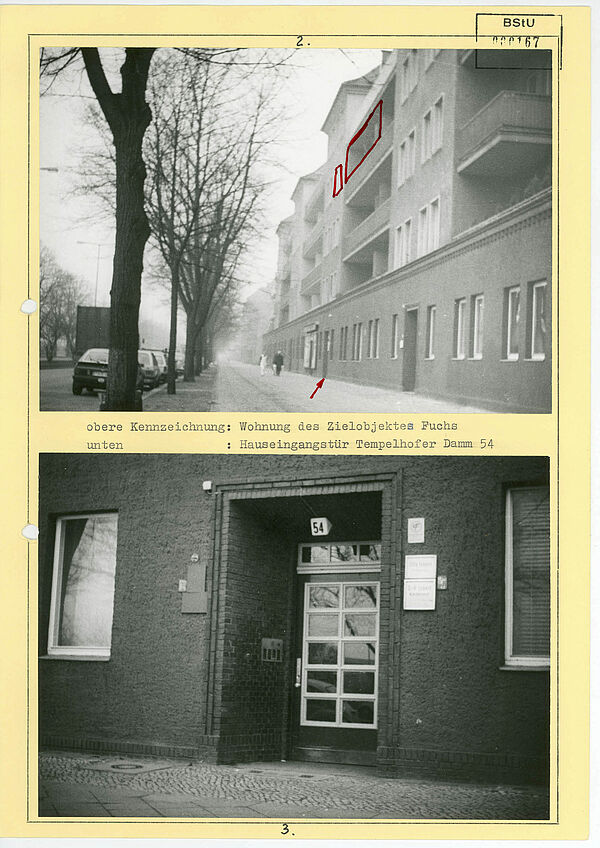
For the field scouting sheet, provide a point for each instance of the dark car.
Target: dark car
(91, 370)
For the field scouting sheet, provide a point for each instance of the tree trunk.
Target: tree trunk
(190, 350)
(128, 116)
(199, 353)
(171, 368)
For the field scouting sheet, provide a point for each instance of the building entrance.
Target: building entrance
(409, 361)
(337, 653)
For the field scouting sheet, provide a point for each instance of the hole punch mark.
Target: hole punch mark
(29, 306)
(30, 532)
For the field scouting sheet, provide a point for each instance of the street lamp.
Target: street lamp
(97, 245)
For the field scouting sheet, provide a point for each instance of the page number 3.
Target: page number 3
(285, 830)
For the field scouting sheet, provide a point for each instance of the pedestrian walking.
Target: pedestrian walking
(263, 364)
(278, 363)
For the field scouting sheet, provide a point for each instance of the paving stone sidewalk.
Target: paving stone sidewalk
(101, 786)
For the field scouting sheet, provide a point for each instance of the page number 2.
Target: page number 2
(300, 41)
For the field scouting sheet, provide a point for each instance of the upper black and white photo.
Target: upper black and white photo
(309, 230)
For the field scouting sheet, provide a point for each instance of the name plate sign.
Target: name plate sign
(420, 566)
(419, 594)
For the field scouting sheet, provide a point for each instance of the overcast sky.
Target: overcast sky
(65, 219)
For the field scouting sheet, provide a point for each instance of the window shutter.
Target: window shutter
(531, 572)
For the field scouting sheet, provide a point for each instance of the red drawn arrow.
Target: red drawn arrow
(319, 386)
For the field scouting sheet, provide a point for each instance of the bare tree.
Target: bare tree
(60, 294)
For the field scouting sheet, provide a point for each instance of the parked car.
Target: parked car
(91, 370)
(162, 364)
(150, 367)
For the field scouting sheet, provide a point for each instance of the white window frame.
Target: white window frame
(429, 340)
(375, 338)
(73, 652)
(428, 237)
(369, 338)
(534, 355)
(460, 310)
(508, 354)
(394, 341)
(427, 135)
(509, 658)
(437, 138)
(477, 327)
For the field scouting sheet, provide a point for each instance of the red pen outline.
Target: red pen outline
(358, 134)
(339, 168)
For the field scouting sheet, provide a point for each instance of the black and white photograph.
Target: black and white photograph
(292, 230)
(293, 637)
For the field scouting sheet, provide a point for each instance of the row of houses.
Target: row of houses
(430, 269)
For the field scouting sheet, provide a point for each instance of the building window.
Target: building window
(331, 344)
(537, 323)
(429, 349)
(429, 227)
(433, 121)
(357, 342)
(512, 311)
(409, 75)
(375, 340)
(394, 349)
(476, 351)
(83, 584)
(459, 328)
(406, 158)
(527, 610)
(369, 338)
(403, 234)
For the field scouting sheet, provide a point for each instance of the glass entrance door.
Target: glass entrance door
(340, 655)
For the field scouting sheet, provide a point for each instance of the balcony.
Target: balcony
(312, 242)
(381, 151)
(312, 279)
(508, 136)
(368, 230)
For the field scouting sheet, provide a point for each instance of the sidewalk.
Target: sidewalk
(189, 397)
(101, 786)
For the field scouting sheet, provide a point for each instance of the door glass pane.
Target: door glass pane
(360, 596)
(321, 710)
(322, 681)
(359, 653)
(359, 682)
(324, 596)
(359, 624)
(372, 553)
(323, 624)
(315, 553)
(322, 653)
(358, 712)
(344, 553)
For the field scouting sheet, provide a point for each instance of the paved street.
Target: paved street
(89, 785)
(56, 393)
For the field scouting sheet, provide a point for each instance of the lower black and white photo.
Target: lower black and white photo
(292, 637)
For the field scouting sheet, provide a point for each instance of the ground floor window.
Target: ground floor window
(429, 340)
(527, 612)
(537, 322)
(459, 328)
(512, 311)
(394, 348)
(476, 351)
(83, 583)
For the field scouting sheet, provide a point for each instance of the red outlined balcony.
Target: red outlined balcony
(510, 135)
(380, 153)
(377, 224)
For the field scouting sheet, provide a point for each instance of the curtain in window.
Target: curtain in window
(531, 572)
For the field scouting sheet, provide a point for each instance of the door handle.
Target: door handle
(298, 682)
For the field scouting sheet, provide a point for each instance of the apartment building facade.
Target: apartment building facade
(186, 608)
(430, 269)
